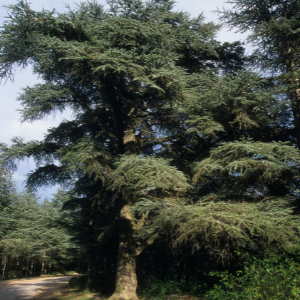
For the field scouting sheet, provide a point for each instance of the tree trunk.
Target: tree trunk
(295, 99)
(43, 268)
(126, 280)
(129, 249)
(7, 269)
(21, 268)
(96, 270)
(89, 268)
(31, 268)
(18, 269)
(26, 268)
(4, 265)
(295, 94)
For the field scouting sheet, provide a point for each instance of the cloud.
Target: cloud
(10, 116)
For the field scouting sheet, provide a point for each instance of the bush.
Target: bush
(274, 278)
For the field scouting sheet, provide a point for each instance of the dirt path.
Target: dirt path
(30, 289)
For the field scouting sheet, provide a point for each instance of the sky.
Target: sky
(9, 115)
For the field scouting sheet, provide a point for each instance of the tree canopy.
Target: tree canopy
(172, 133)
(274, 32)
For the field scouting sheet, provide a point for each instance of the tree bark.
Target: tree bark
(31, 268)
(129, 249)
(296, 113)
(26, 268)
(43, 268)
(4, 265)
(89, 267)
(126, 280)
(6, 273)
(96, 269)
(18, 269)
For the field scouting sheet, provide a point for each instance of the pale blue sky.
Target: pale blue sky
(9, 116)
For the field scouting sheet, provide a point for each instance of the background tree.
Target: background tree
(274, 27)
(31, 237)
(7, 194)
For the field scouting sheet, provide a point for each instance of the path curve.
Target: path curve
(28, 289)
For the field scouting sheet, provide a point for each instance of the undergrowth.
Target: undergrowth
(275, 277)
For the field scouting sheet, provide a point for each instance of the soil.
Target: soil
(29, 289)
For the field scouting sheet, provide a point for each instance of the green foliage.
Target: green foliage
(139, 174)
(274, 32)
(161, 111)
(86, 155)
(261, 163)
(275, 277)
(223, 223)
(274, 27)
(30, 232)
(230, 105)
(7, 189)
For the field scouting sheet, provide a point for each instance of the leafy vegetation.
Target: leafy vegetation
(274, 277)
(178, 154)
(32, 242)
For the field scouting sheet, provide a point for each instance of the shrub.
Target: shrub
(275, 277)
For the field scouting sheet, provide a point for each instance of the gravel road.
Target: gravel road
(28, 289)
